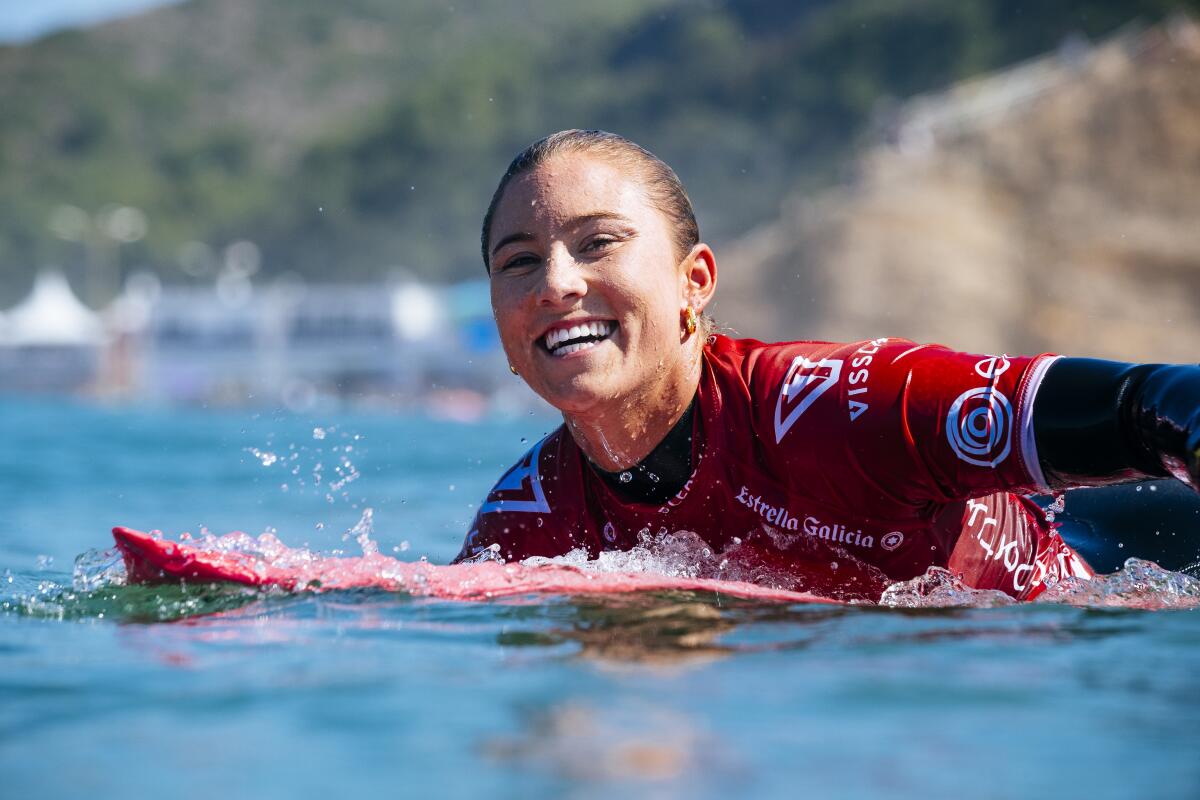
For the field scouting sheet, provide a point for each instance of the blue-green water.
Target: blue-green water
(348, 694)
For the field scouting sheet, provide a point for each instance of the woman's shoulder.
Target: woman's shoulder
(529, 483)
(723, 345)
(533, 508)
(755, 360)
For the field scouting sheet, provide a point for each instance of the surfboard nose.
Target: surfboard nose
(138, 550)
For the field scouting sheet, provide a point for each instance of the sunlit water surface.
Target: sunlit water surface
(110, 690)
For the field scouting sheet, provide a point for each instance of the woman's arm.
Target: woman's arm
(1101, 422)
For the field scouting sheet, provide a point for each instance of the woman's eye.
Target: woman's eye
(519, 261)
(599, 243)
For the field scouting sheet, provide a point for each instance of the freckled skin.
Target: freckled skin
(591, 246)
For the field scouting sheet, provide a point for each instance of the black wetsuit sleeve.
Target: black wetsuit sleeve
(1101, 422)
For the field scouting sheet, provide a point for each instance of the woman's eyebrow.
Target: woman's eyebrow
(574, 222)
(598, 216)
(522, 236)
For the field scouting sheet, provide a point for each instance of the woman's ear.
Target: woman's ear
(699, 277)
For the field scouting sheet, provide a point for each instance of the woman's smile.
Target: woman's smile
(569, 337)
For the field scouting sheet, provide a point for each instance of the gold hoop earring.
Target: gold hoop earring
(690, 321)
(512, 369)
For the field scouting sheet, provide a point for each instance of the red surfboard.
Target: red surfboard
(151, 559)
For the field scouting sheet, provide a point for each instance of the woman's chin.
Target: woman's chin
(579, 394)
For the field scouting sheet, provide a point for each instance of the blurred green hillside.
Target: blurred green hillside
(350, 139)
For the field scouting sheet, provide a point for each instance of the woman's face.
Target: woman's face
(586, 287)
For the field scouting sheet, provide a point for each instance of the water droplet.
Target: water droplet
(318, 433)
(265, 457)
(626, 477)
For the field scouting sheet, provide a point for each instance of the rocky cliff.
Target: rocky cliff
(1052, 206)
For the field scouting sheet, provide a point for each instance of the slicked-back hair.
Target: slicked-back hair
(662, 185)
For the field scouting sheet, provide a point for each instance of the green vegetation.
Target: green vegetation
(350, 139)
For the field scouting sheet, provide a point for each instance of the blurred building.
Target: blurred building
(289, 344)
(50, 341)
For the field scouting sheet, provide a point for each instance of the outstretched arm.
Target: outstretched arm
(1101, 422)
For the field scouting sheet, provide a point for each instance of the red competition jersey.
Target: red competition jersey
(855, 464)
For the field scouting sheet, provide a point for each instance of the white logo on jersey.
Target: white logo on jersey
(891, 541)
(856, 397)
(992, 367)
(524, 479)
(979, 426)
(804, 383)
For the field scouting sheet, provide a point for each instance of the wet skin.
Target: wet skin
(577, 242)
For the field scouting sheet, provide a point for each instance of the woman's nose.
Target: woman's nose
(563, 281)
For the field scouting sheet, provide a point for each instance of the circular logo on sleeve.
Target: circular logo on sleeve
(891, 541)
(979, 426)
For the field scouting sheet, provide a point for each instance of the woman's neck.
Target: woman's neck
(622, 434)
(661, 475)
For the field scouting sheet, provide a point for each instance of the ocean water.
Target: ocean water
(221, 691)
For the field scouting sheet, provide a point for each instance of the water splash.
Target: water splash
(677, 555)
(309, 465)
(98, 569)
(99, 590)
(941, 588)
(685, 555)
(1139, 584)
(362, 531)
(265, 457)
(1058, 506)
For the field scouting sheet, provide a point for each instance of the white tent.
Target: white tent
(51, 316)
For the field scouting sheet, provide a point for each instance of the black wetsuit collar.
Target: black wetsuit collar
(661, 475)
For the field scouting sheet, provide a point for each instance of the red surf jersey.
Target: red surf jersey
(852, 465)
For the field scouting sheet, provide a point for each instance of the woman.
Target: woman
(841, 467)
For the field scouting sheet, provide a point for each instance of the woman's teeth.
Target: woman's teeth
(564, 341)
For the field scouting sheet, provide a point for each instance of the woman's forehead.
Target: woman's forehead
(568, 187)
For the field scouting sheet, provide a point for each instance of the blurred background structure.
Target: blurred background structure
(277, 201)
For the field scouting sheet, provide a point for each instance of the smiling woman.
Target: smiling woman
(840, 467)
(584, 315)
